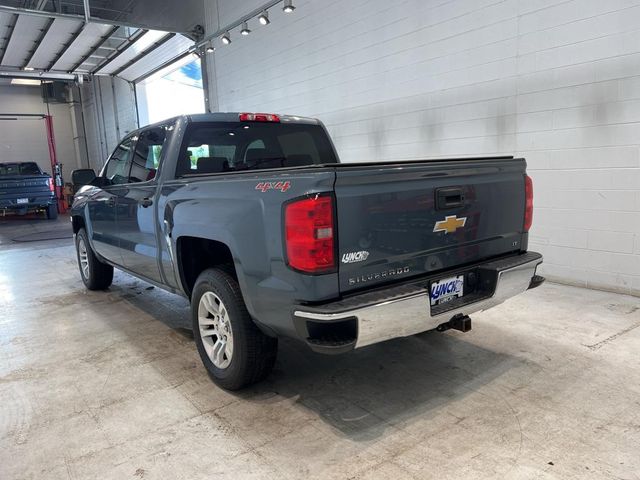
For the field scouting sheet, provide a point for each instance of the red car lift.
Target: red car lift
(56, 169)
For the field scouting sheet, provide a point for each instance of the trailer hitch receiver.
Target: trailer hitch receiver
(458, 322)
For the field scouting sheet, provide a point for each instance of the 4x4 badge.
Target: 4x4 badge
(281, 186)
(450, 224)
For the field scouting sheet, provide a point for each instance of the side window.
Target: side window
(119, 164)
(147, 155)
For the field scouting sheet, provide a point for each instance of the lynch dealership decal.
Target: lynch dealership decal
(354, 257)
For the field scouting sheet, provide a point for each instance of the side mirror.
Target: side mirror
(100, 182)
(83, 176)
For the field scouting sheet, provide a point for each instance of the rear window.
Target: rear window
(233, 147)
(26, 168)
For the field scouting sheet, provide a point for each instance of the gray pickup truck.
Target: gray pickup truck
(25, 188)
(253, 218)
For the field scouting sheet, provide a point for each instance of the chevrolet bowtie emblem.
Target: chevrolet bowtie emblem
(450, 224)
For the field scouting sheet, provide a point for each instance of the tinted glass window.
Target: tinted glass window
(119, 164)
(26, 168)
(147, 155)
(231, 147)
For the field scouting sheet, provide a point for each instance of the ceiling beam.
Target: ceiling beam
(38, 42)
(87, 11)
(80, 18)
(66, 47)
(10, 28)
(39, 13)
(16, 72)
(104, 39)
(144, 53)
(121, 49)
(28, 115)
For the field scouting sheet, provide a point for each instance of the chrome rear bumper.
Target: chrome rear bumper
(405, 311)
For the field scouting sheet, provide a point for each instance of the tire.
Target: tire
(233, 349)
(52, 211)
(95, 274)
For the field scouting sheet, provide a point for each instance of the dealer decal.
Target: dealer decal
(354, 257)
(281, 186)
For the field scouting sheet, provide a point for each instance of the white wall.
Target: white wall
(555, 81)
(26, 140)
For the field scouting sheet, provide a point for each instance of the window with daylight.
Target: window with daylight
(176, 90)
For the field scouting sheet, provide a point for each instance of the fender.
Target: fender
(245, 239)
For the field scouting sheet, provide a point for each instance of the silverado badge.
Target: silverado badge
(450, 224)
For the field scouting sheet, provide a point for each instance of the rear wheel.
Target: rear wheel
(233, 349)
(52, 211)
(95, 274)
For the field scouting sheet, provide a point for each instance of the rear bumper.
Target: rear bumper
(32, 204)
(405, 310)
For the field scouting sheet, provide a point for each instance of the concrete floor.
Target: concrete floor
(108, 385)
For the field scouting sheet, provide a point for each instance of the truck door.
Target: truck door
(137, 208)
(104, 203)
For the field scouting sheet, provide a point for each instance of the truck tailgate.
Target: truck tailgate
(397, 221)
(13, 187)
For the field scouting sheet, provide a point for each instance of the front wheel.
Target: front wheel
(95, 274)
(233, 349)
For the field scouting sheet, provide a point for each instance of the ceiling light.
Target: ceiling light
(226, 38)
(263, 18)
(28, 69)
(24, 81)
(288, 6)
(210, 48)
(245, 29)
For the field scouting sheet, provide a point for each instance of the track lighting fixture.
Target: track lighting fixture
(245, 29)
(263, 18)
(288, 6)
(226, 38)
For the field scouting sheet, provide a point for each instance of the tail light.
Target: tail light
(309, 234)
(51, 184)
(528, 203)
(259, 117)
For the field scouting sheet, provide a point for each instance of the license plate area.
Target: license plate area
(446, 289)
(22, 200)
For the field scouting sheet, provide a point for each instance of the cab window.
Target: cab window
(118, 166)
(147, 154)
(221, 147)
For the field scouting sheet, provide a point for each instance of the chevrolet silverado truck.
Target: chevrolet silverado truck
(25, 188)
(253, 218)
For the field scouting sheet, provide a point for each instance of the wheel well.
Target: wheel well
(77, 223)
(197, 254)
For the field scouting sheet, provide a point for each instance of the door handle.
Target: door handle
(146, 202)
